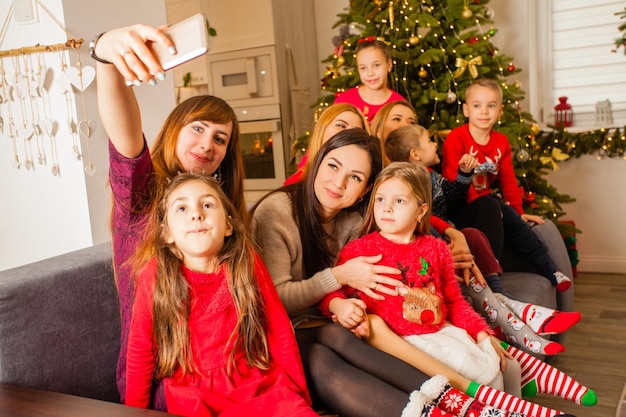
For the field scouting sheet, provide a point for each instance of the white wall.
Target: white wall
(43, 215)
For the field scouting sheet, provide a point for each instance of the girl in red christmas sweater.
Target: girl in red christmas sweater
(207, 319)
(430, 313)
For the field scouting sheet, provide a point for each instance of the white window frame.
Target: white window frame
(544, 91)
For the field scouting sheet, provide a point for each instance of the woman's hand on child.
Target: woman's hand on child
(127, 49)
(500, 351)
(474, 273)
(467, 163)
(349, 312)
(463, 258)
(531, 218)
(362, 273)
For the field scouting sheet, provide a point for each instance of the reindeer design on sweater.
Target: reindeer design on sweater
(421, 304)
(488, 166)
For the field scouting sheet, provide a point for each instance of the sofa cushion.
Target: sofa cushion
(530, 288)
(60, 326)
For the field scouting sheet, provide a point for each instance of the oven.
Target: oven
(261, 147)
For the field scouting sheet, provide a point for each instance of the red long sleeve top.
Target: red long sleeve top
(495, 163)
(211, 320)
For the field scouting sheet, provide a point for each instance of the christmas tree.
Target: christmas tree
(438, 48)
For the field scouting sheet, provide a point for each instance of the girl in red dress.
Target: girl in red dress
(207, 318)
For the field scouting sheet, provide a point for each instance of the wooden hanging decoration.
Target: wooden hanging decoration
(25, 88)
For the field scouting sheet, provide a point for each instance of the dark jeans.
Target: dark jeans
(502, 224)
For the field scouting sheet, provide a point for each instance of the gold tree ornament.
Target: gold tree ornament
(534, 129)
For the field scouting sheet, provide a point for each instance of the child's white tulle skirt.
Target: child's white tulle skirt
(455, 348)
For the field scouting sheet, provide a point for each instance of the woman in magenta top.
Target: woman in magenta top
(200, 135)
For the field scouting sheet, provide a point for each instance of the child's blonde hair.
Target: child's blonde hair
(401, 141)
(487, 83)
(171, 300)
(417, 178)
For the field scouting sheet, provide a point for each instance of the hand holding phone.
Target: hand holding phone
(190, 37)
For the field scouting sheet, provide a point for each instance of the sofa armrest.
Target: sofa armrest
(60, 325)
(550, 236)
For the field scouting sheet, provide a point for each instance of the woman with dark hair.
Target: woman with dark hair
(300, 228)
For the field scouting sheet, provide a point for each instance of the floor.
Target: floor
(596, 346)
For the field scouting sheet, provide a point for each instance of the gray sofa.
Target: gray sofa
(59, 318)
(60, 326)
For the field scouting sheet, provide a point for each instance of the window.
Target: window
(577, 37)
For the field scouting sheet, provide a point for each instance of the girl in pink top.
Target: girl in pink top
(373, 60)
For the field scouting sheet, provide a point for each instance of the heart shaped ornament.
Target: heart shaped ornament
(22, 88)
(82, 77)
(36, 129)
(47, 78)
(49, 126)
(26, 132)
(87, 127)
(90, 169)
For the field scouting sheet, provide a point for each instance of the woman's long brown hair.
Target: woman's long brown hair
(216, 110)
(171, 300)
(307, 208)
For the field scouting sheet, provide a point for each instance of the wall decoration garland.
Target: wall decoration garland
(26, 115)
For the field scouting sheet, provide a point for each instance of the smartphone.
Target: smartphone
(190, 37)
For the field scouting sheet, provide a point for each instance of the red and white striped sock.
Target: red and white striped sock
(442, 395)
(539, 377)
(502, 400)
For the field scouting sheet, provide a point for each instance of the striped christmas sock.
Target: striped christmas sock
(502, 400)
(539, 377)
(442, 395)
(418, 406)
